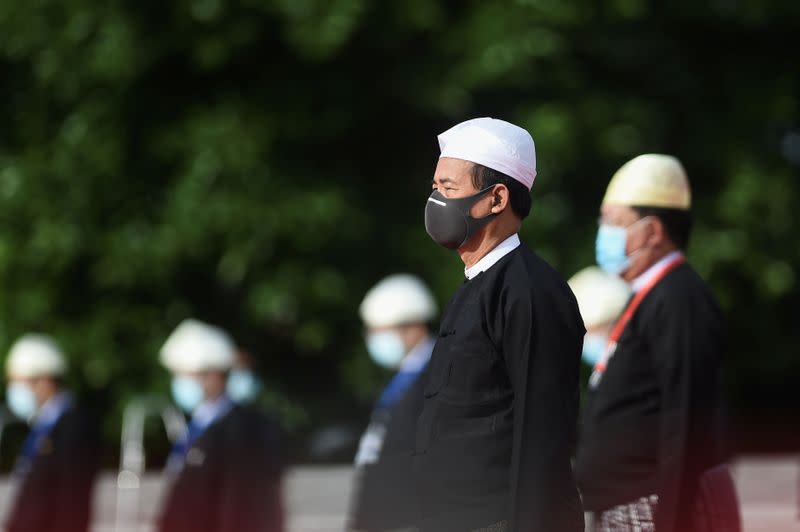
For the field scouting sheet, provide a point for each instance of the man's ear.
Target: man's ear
(500, 198)
(658, 235)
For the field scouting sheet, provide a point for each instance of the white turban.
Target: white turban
(650, 180)
(195, 346)
(495, 144)
(601, 296)
(35, 355)
(396, 300)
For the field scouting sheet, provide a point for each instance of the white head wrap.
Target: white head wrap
(195, 346)
(601, 296)
(35, 355)
(650, 180)
(397, 299)
(495, 144)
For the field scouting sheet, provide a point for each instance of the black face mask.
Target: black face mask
(448, 222)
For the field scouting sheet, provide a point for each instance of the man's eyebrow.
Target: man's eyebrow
(444, 180)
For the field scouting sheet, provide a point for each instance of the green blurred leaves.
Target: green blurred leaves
(261, 163)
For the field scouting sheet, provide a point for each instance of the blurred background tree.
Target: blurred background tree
(261, 163)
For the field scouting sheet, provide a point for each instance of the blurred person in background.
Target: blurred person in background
(225, 474)
(497, 430)
(397, 313)
(55, 472)
(651, 427)
(601, 298)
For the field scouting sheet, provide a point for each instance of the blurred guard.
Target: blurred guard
(397, 312)
(498, 425)
(651, 432)
(226, 471)
(601, 298)
(56, 469)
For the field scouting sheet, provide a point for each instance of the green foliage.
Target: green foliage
(261, 163)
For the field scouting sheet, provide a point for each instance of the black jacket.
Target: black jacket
(498, 424)
(384, 497)
(654, 422)
(55, 489)
(231, 479)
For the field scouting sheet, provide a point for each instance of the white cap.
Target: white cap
(496, 144)
(601, 296)
(650, 180)
(35, 355)
(397, 299)
(195, 346)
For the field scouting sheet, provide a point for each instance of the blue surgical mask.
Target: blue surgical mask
(243, 386)
(610, 248)
(594, 345)
(187, 392)
(386, 348)
(21, 400)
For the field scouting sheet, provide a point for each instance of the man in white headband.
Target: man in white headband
(225, 473)
(494, 439)
(651, 427)
(56, 469)
(396, 313)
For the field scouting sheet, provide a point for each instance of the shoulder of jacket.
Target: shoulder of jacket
(680, 290)
(681, 283)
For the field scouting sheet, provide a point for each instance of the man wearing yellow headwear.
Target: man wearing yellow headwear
(651, 427)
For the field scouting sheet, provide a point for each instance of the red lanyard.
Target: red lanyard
(623, 320)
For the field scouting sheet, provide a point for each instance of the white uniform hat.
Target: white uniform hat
(496, 144)
(195, 346)
(397, 299)
(35, 355)
(601, 296)
(650, 180)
